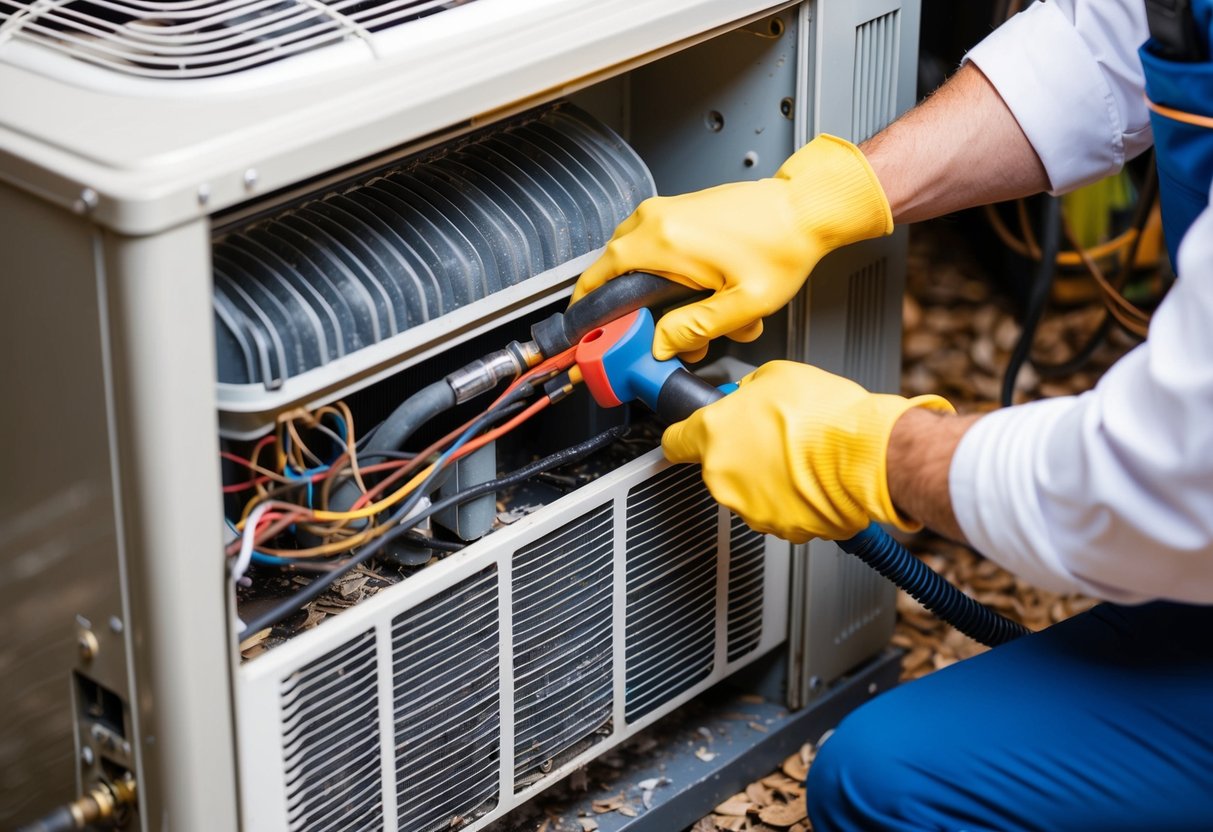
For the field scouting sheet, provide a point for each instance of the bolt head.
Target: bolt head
(86, 642)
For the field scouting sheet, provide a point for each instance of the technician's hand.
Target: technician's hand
(752, 243)
(797, 452)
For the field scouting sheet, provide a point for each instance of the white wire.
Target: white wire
(245, 556)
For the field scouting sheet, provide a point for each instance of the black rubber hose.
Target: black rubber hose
(878, 550)
(317, 587)
(58, 820)
(613, 299)
(1038, 294)
(393, 432)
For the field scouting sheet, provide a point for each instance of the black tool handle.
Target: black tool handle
(682, 394)
(614, 299)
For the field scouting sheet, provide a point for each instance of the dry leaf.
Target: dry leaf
(795, 768)
(783, 814)
(737, 805)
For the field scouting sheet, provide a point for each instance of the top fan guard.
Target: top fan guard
(355, 267)
(168, 39)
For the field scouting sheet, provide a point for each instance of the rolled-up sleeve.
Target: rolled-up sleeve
(1069, 72)
(1109, 493)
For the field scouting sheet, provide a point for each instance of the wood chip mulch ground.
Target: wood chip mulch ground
(958, 335)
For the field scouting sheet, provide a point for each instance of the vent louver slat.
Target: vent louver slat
(562, 613)
(330, 740)
(671, 588)
(747, 549)
(445, 657)
(181, 41)
(322, 279)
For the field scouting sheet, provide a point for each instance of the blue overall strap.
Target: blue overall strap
(1181, 96)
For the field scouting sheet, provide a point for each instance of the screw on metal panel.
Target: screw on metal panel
(204, 193)
(814, 683)
(87, 202)
(115, 624)
(250, 178)
(86, 755)
(86, 641)
(786, 107)
(750, 159)
(714, 120)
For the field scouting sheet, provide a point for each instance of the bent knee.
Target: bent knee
(870, 775)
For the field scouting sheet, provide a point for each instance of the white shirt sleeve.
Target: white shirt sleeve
(1069, 72)
(1109, 493)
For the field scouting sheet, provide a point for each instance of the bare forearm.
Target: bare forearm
(920, 453)
(960, 148)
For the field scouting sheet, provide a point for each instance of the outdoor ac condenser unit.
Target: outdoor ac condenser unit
(216, 213)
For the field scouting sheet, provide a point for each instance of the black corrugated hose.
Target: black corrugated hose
(878, 550)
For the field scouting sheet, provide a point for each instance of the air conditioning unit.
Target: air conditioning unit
(220, 215)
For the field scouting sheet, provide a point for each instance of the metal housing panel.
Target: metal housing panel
(59, 557)
(848, 319)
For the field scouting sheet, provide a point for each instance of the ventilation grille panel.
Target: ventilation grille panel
(447, 706)
(671, 588)
(326, 278)
(747, 555)
(866, 355)
(877, 45)
(330, 741)
(169, 39)
(562, 604)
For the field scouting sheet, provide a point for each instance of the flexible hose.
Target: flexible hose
(58, 820)
(878, 550)
(615, 298)
(394, 431)
(1038, 295)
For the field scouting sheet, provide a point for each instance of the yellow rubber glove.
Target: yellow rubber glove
(798, 452)
(752, 243)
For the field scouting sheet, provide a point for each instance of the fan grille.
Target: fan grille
(170, 39)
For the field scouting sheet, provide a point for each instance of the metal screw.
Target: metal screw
(86, 755)
(750, 159)
(714, 120)
(786, 107)
(250, 178)
(115, 624)
(87, 202)
(204, 193)
(86, 640)
(814, 683)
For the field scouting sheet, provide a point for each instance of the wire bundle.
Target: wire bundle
(293, 493)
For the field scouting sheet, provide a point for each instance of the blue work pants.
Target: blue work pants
(1101, 722)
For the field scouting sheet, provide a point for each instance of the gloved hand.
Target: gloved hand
(752, 243)
(797, 452)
